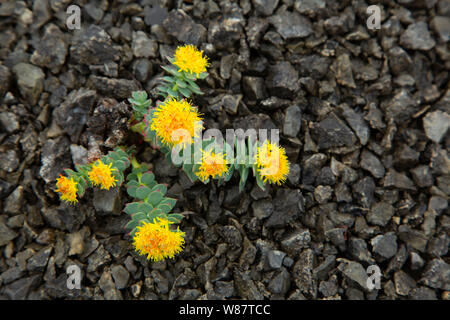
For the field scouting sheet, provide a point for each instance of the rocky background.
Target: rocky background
(363, 115)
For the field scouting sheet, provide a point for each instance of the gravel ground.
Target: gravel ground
(363, 115)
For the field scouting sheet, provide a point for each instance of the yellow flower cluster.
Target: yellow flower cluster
(157, 240)
(212, 165)
(101, 175)
(174, 121)
(189, 59)
(272, 162)
(68, 189)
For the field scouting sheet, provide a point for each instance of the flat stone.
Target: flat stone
(144, 47)
(380, 214)
(30, 80)
(291, 25)
(292, 121)
(93, 46)
(385, 246)
(437, 275)
(417, 37)
(181, 26)
(436, 124)
(282, 80)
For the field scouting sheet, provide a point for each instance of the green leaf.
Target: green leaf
(164, 207)
(139, 216)
(147, 178)
(161, 188)
(132, 183)
(132, 191)
(170, 70)
(142, 192)
(176, 216)
(155, 197)
(132, 224)
(185, 92)
(181, 83)
(69, 172)
(244, 176)
(259, 181)
(203, 75)
(169, 79)
(133, 232)
(145, 207)
(132, 207)
(169, 201)
(120, 165)
(172, 93)
(132, 177)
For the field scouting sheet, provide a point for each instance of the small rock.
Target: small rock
(51, 50)
(73, 112)
(13, 204)
(355, 273)
(437, 275)
(292, 121)
(30, 80)
(416, 261)
(143, 47)
(39, 260)
(280, 283)
(385, 246)
(333, 132)
(344, 74)
(262, 208)
(417, 37)
(93, 46)
(441, 25)
(9, 121)
(265, 7)
(296, 242)
(291, 25)
(323, 194)
(422, 176)
(380, 214)
(181, 26)
(275, 258)
(120, 276)
(303, 274)
(254, 88)
(356, 122)
(288, 205)
(372, 164)
(436, 125)
(403, 283)
(106, 283)
(108, 201)
(282, 80)
(118, 88)
(398, 180)
(363, 191)
(6, 234)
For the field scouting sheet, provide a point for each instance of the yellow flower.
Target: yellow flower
(189, 59)
(157, 241)
(67, 188)
(174, 121)
(101, 174)
(213, 164)
(272, 162)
